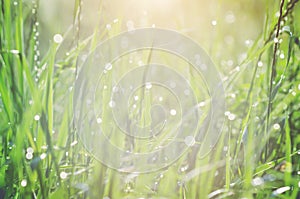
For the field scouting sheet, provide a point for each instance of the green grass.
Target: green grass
(257, 155)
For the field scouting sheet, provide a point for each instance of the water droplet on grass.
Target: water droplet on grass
(225, 148)
(230, 18)
(29, 150)
(257, 181)
(99, 120)
(57, 38)
(108, 66)
(231, 116)
(63, 175)
(24, 183)
(148, 85)
(173, 112)
(112, 104)
(108, 26)
(214, 22)
(36, 117)
(189, 140)
(276, 126)
(281, 56)
(260, 64)
(43, 156)
(29, 156)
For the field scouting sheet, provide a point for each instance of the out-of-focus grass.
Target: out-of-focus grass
(257, 155)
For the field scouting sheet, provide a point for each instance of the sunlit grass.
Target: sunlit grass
(257, 155)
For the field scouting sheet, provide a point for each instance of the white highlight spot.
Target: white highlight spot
(112, 104)
(214, 22)
(189, 141)
(276, 126)
(63, 175)
(24, 183)
(173, 112)
(148, 85)
(36, 117)
(260, 64)
(108, 66)
(108, 26)
(57, 38)
(43, 156)
(29, 150)
(281, 56)
(29, 156)
(99, 120)
(231, 116)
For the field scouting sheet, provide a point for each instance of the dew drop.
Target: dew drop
(276, 126)
(281, 56)
(189, 140)
(230, 18)
(216, 173)
(148, 85)
(112, 104)
(225, 148)
(99, 120)
(260, 64)
(214, 22)
(108, 66)
(36, 117)
(276, 40)
(63, 175)
(108, 26)
(29, 156)
(231, 116)
(43, 156)
(24, 183)
(201, 104)
(74, 143)
(257, 181)
(57, 38)
(184, 168)
(173, 112)
(136, 98)
(29, 150)
(247, 42)
(161, 98)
